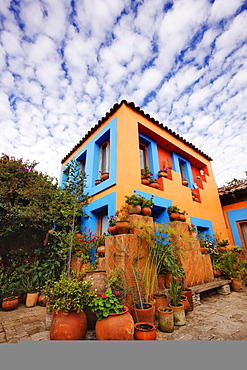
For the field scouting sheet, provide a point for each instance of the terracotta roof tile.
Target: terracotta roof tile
(140, 111)
(231, 189)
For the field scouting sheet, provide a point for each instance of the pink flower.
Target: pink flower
(103, 296)
(100, 293)
(117, 292)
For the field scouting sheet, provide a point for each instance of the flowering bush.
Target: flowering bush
(134, 199)
(172, 209)
(67, 295)
(106, 303)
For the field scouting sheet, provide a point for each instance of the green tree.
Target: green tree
(31, 203)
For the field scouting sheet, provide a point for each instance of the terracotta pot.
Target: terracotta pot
(145, 181)
(163, 174)
(145, 314)
(105, 176)
(112, 230)
(188, 293)
(154, 185)
(9, 304)
(161, 302)
(168, 277)
(185, 183)
(144, 331)
(217, 273)
(146, 211)
(101, 251)
(31, 299)
(174, 216)
(134, 208)
(185, 302)
(117, 326)
(166, 319)
(97, 182)
(179, 314)
(122, 227)
(41, 300)
(182, 217)
(161, 281)
(236, 284)
(70, 326)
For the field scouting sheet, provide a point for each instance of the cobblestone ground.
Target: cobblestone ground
(219, 317)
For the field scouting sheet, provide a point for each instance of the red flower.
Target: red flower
(117, 292)
(103, 296)
(100, 293)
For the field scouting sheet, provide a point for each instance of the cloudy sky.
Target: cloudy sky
(64, 64)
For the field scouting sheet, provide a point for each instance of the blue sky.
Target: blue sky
(64, 64)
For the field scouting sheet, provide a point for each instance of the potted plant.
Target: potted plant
(192, 229)
(112, 229)
(231, 266)
(175, 292)
(9, 298)
(182, 216)
(144, 331)
(185, 181)
(163, 172)
(153, 183)
(114, 322)
(67, 298)
(173, 212)
(146, 176)
(146, 206)
(222, 245)
(135, 203)
(122, 223)
(166, 319)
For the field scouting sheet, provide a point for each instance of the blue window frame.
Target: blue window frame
(182, 166)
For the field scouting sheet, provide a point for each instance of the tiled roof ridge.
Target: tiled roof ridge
(227, 189)
(137, 109)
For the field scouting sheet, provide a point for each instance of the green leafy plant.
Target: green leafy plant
(192, 228)
(105, 303)
(146, 174)
(176, 288)
(67, 294)
(148, 202)
(173, 209)
(134, 199)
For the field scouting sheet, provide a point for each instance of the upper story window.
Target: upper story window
(143, 155)
(104, 157)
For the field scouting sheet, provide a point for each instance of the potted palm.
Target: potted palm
(175, 292)
(231, 266)
(67, 298)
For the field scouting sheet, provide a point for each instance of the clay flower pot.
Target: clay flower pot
(161, 302)
(179, 314)
(145, 314)
(68, 326)
(174, 216)
(144, 331)
(146, 211)
(9, 304)
(166, 319)
(134, 208)
(117, 326)
(112, 230)
(122, 227)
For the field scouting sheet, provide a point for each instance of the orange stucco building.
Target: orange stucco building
(124, 141)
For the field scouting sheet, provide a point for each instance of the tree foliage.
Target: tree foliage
(31, 203)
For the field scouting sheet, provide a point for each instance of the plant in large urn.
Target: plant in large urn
(173, 212)
(114, 322)
(134, 202)
(67, 298)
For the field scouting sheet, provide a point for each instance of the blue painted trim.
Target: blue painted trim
(108, 201)
(199, 222)
(159, 210)
(92, 148)
(187, 168)
(233, 217)
(153, 158)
